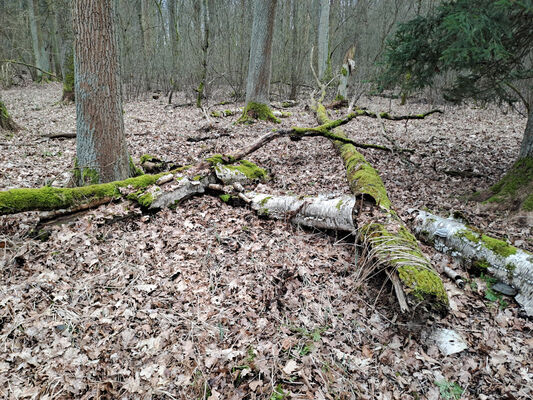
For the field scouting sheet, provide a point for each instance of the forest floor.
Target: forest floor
(208, 301)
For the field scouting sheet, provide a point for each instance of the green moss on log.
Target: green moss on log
(497, 246)
(248, 169)
(254, 111)
(400, 250)
(49, 198)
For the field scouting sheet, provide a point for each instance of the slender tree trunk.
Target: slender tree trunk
(294, 39)
(101, 150)
(323, 40)
(174, 39)
(5, 119)
(526, 149)
(35, 38)
(260, 62)
(54, 31)
(145, 42)
(64, 22)
(204, 30)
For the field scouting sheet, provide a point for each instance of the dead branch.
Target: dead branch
(29, 66)
(61, 135)
(195, 139)
(385, 115)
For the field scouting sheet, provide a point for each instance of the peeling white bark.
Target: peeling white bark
(448, 236)
(171, 194)
(322, 212)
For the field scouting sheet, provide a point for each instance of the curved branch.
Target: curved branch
(29, 66)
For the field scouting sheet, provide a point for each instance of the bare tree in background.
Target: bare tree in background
(323, 41)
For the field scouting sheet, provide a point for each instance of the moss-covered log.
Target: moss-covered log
(151, 191)
(51, 198)
(321, 212)
(389, 240)
(480, 252)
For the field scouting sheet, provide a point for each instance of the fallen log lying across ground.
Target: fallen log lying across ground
(476, 250)
(150, 191)
(389, 239)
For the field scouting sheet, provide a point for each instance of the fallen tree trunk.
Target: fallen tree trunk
(390, 241)
(476, 250)
(150, 191)
(321, 212)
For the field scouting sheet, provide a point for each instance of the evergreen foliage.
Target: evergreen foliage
(486, 43)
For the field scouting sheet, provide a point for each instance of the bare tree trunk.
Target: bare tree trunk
(63, 17)
(35, 38)
(323, 40)
(145, 42)
(526, 149)
(174, 39)
(260, 64)
(204, 29)
(101, 150)
(294, 39)
(5, 119)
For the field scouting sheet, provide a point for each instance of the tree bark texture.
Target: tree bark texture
(35, 37)
(5, 119)
(63, 18)
(507, 263)
(260, 61)
(526, 148)
(323, 39)
(173, 34)
(322, 212)
(204, 31)
(101, 150)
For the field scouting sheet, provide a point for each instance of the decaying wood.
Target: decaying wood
(385, 115)
(61, 135)
(195, 139)
(29, 66)
(383, 231)
(507, 263)
(322, 212)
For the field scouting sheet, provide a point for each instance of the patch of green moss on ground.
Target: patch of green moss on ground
(225, 197)
(519, 177)
(498, 246)
(527, 205)
(254, 111)
(146, 158)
